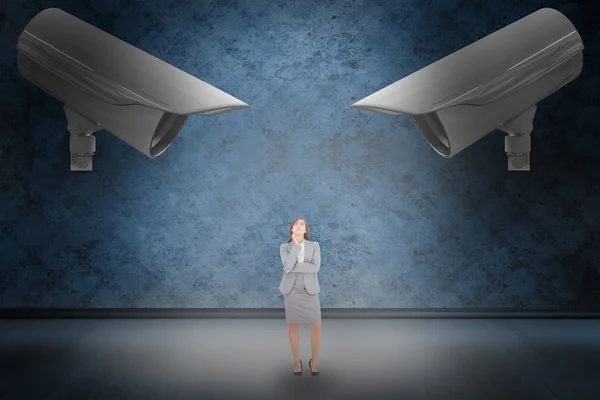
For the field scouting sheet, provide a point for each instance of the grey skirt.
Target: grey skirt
(301, 307)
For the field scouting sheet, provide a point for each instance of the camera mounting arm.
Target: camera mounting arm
(517, 143)
(82, 143)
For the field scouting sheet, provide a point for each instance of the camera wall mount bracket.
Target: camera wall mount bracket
(82, 142)
(517, 143)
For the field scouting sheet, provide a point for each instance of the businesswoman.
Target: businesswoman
(301, 260)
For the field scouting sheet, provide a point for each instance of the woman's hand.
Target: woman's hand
(296, 238)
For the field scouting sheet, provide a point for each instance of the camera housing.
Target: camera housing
(106, 83)
(493, 83)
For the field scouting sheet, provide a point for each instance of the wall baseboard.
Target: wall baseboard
(279, 313)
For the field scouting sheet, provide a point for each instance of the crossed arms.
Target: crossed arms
(289, 258)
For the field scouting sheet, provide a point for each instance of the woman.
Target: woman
(301, 260)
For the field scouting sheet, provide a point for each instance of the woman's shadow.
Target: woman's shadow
(306, 386)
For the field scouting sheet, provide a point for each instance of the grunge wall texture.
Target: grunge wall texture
(399, 225)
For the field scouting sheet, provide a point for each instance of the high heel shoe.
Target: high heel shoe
(311, 371)
(299, 373)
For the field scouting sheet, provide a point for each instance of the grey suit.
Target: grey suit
(300, 287)
(309, 268)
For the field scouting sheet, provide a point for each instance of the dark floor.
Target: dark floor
(250, 358)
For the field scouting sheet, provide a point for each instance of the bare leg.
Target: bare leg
(315, 344)
(294, 341)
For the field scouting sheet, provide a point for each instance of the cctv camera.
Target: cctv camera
(106, 83)
(494, 83)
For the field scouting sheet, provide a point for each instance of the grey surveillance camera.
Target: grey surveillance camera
(106, 83)
(493, 83)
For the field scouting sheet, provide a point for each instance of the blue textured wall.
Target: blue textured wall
(201, 225)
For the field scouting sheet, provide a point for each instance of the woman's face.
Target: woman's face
(299, 227)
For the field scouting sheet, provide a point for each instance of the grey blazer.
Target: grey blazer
(310, 266)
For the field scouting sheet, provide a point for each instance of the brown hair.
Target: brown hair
(306, 234)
